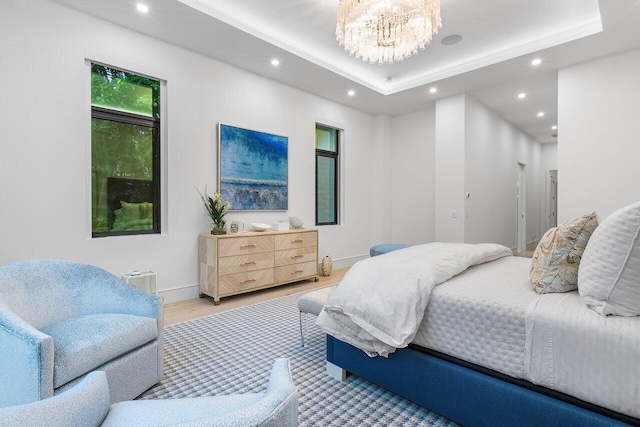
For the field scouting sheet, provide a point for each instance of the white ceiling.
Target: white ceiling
(492, 62)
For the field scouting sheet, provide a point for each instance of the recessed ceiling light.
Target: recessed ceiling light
(142, 8)
(522, 95)
(452, 39)
(275, 62)
(541, 114)
(433, 90)
(351, 93)
(536, 61)
(554, 127)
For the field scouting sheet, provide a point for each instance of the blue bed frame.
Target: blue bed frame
(466, 393)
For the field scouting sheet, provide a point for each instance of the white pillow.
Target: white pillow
(609, 273)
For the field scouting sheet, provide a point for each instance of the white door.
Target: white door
(553, 198)
(521, 210)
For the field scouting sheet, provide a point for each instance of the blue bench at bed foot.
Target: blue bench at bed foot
(385, 247)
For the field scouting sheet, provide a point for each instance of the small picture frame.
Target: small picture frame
(236, 227)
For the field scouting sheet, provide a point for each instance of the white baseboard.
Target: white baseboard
(181, 293)
(347, 262)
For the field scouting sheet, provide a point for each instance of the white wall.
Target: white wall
(438, 155)
(383, 201)
(401, 176)
(493, 149)
(549, 162)
(549, 156)
(477, 152)
(450, 169)
(45, 137)
(411, 154)
(599, 130)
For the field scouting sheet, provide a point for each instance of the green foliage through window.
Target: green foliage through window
(121, 91)
(327, 144)
(125, 125)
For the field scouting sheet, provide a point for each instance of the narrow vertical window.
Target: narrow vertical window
(125, 153)
(327, 150)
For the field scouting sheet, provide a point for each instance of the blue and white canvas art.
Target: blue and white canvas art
(253, 169)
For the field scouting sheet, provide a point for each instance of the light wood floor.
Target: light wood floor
(179, 312)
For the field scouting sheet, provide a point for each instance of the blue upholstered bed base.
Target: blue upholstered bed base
(466, 395)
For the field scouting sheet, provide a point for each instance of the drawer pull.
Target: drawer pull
(253, 245)
(297, 256)
(297, 241)
(248, 263)
(247, 281)
(298, 271)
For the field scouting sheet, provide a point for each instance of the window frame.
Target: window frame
(153, 122)
(335, 156)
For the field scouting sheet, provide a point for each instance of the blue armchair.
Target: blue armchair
(87, 404)
(60, 320)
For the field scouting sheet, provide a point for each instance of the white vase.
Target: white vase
(295, 222)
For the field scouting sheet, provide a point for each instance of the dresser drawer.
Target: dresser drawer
(296, 256)
(244, 245)
(232, 264)
(237, 283)
(290, 273)
(296, 240)
(241, 263)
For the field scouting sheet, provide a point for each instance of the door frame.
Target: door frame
(521, 207)
(551, 175)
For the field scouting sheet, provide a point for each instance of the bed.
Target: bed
(491, 351)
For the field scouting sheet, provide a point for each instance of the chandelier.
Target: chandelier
(384, 31)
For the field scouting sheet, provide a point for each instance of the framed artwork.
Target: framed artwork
(252, 169)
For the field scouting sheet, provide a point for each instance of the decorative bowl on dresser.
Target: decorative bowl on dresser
(232, 264)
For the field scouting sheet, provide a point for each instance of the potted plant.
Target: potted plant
(216, 211)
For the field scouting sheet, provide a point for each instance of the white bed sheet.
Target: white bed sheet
(575, 350)
(479, 316)
(489, 316)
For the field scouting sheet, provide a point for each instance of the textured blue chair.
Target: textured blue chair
(60, 320)
(87, 404)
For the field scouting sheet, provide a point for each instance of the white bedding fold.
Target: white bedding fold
(381, 301)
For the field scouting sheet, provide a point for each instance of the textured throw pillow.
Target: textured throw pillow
(146, 210)
(609, 278)
(130, 211)
(554, 267)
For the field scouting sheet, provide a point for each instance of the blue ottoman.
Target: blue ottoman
(384, 248)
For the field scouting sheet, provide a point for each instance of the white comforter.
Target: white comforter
(397, 287)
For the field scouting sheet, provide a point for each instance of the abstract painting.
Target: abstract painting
(253, 169)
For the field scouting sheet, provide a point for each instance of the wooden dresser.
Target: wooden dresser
(232, 264)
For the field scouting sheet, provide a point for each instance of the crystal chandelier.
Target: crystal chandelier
(385, 31)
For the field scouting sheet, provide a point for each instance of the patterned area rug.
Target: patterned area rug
(232, 352)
